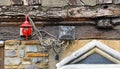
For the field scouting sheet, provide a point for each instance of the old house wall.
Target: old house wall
(84, 33)
(81, 32)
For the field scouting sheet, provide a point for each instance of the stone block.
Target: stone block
(12, 42)
(37, 55)
(46, 60)
(27, 59)
(22, 67)
(10, 53)
(8, 47)
(11, 67)
(32, 67)
(43, 65)
(21, 53)
(31, 49)
(22, 47)
(37, 60)
(16, 47)
(26, 62)
(12, 61)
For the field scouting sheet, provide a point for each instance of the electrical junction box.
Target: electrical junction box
(67, 32)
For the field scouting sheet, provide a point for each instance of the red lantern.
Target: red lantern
(26, 28)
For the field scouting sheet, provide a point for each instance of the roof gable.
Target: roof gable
(95, 58)
(88, 47)
(98, 51)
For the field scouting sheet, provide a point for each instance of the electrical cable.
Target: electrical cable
(39, 35)
(82, 2)
(54, 43)
(48, 33)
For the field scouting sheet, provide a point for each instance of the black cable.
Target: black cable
(70, 4)
(82, 2)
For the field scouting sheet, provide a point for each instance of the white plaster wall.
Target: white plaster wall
(53, 3)
(90, 2)
(63, 2)
(84, 66)
(5, 2)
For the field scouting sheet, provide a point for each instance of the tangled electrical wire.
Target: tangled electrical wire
(53, 42)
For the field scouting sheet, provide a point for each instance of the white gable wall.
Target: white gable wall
(86, 48)
(89, 66)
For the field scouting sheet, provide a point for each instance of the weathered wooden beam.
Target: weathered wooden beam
(12, 18)
(78, 11)
(64, 23)
(81, 32)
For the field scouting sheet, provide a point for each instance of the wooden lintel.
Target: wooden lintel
(11, 20)
(44, 19)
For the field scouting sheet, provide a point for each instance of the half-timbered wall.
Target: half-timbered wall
(104, 29)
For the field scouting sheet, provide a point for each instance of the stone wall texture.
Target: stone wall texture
(25, 55)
